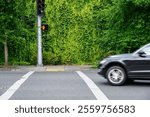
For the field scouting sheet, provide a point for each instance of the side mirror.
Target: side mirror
(142, 54)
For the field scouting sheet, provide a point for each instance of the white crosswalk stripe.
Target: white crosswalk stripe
(7, 95)
(95, 90)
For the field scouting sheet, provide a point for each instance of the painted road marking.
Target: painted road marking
(15, 86)
(55, 69)
(95, 90)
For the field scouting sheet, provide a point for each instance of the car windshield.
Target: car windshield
(145, 49)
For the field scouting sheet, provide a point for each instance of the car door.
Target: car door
(139, 64)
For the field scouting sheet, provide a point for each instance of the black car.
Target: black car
(118, 69)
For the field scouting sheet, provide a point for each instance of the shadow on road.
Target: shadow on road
(133, 83)
(139, 83)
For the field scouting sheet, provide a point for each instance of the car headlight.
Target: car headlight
(103, 61)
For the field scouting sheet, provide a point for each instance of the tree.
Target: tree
(14, 16)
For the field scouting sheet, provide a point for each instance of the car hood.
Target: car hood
(121, 56)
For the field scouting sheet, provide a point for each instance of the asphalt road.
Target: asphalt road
(67, 85)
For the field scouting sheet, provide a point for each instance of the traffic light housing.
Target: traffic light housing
(40, 7)
(44, 27)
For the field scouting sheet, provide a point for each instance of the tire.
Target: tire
(116, 75)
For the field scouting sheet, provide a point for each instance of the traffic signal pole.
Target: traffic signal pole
(40, 62)
(40, 13)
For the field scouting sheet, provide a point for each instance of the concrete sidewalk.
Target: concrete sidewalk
(50, 68)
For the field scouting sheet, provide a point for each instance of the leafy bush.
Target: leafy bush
(80, 31)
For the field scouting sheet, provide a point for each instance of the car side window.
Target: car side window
(146, 50)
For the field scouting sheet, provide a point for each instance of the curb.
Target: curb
(59, 68)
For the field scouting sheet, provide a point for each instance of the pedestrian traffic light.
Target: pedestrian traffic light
(40, 7)
(44, 27)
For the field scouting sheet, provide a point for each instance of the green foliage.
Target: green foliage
(80, 31)
(17, 23)
(128, 26)
(141, 2)
(73, 33)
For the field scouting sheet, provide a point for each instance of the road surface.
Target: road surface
(67, 85)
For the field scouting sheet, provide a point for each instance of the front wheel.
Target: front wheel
(116, 75)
